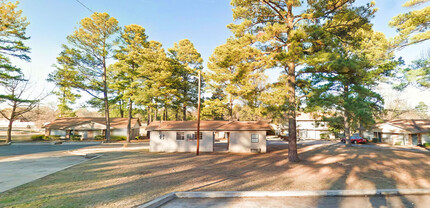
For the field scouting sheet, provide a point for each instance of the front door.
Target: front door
(415, 139)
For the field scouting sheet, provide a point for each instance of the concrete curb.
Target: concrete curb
(6, 144)
(159, 201)
(240, 194)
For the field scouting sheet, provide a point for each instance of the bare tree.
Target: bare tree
(18, 100)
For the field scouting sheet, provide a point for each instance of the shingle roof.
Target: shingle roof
(64, 123)
(411, 125)
(208, 125)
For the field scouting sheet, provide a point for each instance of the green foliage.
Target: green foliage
(40, 137)
(99, 137)
(214, 109)
(351, 71)
(398, 143)
(236, 74)
(375, 140)
(185, 61)
(324, 136)
(75, 137)
(114, 138)
(12, 36)
(426, 145)
(412, 26)
(118, 138)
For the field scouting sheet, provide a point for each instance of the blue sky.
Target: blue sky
(167, 21)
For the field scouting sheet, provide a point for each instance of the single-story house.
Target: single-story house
(403, 131)
(180, 136)
(89, 127)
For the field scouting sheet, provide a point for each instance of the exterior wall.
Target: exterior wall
(169, 143)
(57, 132)
(118, 132)
(425, 138)
(123, 132)
(240, 141)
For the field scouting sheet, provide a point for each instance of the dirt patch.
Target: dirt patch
(125, 179)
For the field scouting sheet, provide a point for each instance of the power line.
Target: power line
(85, 6)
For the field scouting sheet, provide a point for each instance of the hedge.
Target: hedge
(39, 137)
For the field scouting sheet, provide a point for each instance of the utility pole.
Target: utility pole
(198, 118)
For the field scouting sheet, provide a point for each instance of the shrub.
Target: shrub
(118, 138)
(99, 137)
(398, 143)
(75, 137)
(40, 137)
(426, 145)
(375, 140)
(324, 136)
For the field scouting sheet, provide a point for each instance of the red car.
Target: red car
(354, 139)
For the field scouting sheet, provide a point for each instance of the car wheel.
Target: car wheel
(355, 142)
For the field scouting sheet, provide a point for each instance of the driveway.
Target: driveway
(23, 163)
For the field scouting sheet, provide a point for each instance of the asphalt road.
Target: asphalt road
(21, 149)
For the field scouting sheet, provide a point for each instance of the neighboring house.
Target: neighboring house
(308, 127)
(403, 131)
(180, 136)
(89, 127)
(17, 125)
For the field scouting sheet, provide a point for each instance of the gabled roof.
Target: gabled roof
(66, 123)
(208, 126)
(411, 125)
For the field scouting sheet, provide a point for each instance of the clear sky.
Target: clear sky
(167, 21)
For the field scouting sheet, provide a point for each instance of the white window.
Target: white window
(161, 136)
(195, 136)
(180, 136)
(254, 138)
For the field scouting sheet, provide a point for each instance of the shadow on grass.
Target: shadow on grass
(124, 179)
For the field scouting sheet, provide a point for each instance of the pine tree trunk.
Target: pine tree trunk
(121, 111)
(166, 115)
(130, 108)
(292, 132)
(177, 115)
(106, 102)
(347, 130)
(149, 115)
(11, 120)
(9, 131)
(155, 114)
(231, 108)
(184, 112)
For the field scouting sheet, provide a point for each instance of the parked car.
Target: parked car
(355, 139)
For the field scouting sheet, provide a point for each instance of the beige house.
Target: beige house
(308, 126)
(90, 127)
(180, 136)
(403, 132)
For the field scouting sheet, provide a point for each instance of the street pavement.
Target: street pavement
(28, 148)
